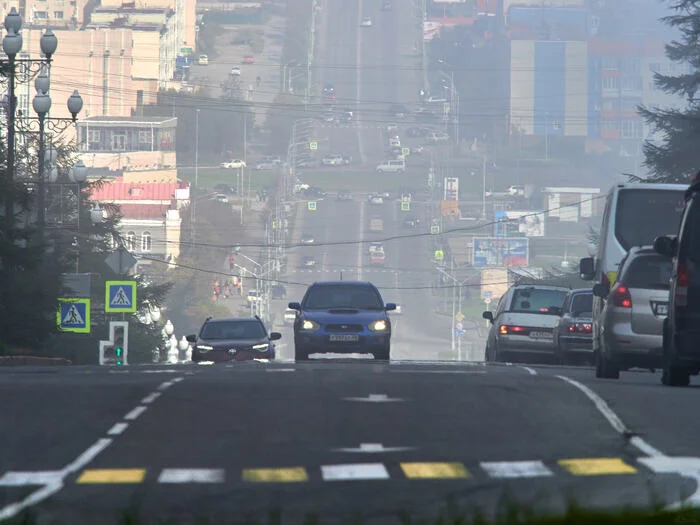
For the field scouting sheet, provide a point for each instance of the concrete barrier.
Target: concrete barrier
(28, 360)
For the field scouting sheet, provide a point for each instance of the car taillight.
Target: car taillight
(682, 282)
(506, 329)
(580, 328)
(621, 296)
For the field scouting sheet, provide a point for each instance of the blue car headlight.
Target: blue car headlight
(379, 326)
(309, 326)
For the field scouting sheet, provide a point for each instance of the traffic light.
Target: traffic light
(119, 346)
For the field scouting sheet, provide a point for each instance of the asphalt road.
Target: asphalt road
(334, 438)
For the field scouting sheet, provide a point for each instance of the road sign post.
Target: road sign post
(120, 296)
(73, 315)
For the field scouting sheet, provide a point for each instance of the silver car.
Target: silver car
(573, 333)
(633, 314)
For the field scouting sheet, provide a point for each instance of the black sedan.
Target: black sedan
(233, 339)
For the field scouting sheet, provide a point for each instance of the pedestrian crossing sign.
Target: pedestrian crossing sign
(312, 205)
(120, 296)
(73, 315)
(435, 229)
(405, 206)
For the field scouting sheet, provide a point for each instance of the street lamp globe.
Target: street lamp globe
(41, 103)
(48, 43)
(79, 172)
(169, 328)
(184, 344)
(13, 21)
(75, 104)
(12, 43)
(155, 314)
(42, 83)
(97, 215)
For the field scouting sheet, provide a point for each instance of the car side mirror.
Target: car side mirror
(275, 336)
(666, 245)
(191, 338)
(601, 290)
(556, 310)
(294, 306)
(488, 316)
(586, 268)
(389, 307)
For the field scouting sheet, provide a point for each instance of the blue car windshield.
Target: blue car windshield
(224, 330)
(327, 297)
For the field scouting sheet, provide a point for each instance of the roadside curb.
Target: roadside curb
(28, 360)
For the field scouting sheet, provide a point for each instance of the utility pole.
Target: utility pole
(483, 181)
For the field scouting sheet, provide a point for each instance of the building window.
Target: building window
(655, 67)
(41, 15)
(144, 136)
(609, 63)
(118, 142)
(58, 15)
(631, 129)
(146, 242)
(130, 241)
(632, 84)
(610, 83)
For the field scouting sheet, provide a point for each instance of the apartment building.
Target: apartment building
(621, 79)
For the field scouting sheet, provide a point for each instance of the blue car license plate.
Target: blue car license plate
(344, 338)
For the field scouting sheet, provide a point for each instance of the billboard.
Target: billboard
(500, 251)
(451, 185)
(430, 30)
(527, 223)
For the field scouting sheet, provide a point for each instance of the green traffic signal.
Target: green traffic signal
(118, 351)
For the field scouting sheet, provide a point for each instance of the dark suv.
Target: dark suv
(342, 317)
(681, 328)
(233, 339)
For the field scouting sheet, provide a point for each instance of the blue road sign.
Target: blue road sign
(120, 296)
(459, 333)
(73, 315)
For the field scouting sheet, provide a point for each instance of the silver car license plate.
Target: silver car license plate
(344, 338)
(232, 351)
(542, 335)
(660, 308)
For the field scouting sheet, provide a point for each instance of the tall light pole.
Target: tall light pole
(11, 45)
(196, 148)
(42, 105)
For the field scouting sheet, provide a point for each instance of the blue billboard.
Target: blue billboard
(500, 252)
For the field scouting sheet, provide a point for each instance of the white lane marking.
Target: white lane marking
(530, 371)
(612, 417)
(178, 379)
(165, 385)
(191, 475)
(361, 245)
(688, 467)
(516, 469)
(22, 479)
(375, 398)
(136, 412)
(354, 471)
(150, 398)
(117, 429)
(645, 447)
(280, 370)
(55, 486)
(166, 371)
(374, 448)
(470, 372)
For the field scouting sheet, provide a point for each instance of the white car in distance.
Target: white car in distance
(233, 164)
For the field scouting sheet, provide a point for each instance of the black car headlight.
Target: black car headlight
(308, 325)
(379, 326)
(262, 347)
(204, 348)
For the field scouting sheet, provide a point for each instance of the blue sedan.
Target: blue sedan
(342, 317)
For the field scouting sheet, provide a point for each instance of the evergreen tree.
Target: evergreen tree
(30, 275)
(677, 157)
